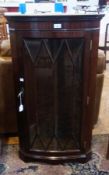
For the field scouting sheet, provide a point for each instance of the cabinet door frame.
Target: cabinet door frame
(18, 70)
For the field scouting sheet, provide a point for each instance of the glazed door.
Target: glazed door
(54, 93)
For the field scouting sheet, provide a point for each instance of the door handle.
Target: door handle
(21, 106)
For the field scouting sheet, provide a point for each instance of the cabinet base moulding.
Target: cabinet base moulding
(28, 157)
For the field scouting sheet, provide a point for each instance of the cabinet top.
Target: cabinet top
(56, 16)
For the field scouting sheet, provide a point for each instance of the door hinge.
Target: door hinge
(88, 100)
(91, 45)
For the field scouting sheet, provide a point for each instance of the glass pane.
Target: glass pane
(53, 73)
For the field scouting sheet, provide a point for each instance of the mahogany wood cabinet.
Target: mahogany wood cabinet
(54, 62)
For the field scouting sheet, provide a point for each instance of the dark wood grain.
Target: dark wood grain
(59, 71)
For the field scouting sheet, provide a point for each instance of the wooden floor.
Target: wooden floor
(10, 140)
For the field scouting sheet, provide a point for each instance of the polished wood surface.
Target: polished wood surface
(3, 28)
(55, 73)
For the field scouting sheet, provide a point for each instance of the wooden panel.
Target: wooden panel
(59, 70)
(53, 73)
